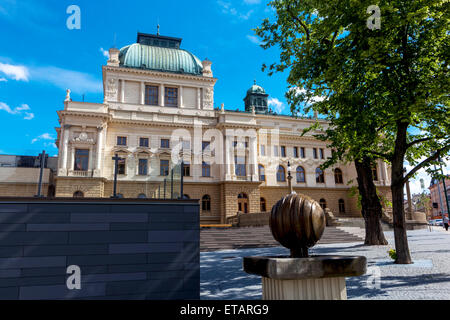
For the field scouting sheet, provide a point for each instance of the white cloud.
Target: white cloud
(246, 16)
(23, 107)
(16, 72)
(18, 110)
(45, 136)
(77, 82)
(29, 116)
(313, 99)
(277, 105)
(50, 145)
(3, 80)
(254, 39)
(104, 52)
(227, 8)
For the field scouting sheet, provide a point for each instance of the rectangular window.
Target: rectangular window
(165, 143)
(283, 151)
(263, 151)
(187, 169)
(302, 153)
(322, 154)
(275, 151)
(206, 170)
(164, 168)
(144, 142)
(121, 167)
(240, 168)
(315, 153)
(121, 141)
(295, 152)
(171, 97)
(143, 167)
(151, 95)
(81, 160)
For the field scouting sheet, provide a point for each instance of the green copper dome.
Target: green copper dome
(159, 54)
(256, 89)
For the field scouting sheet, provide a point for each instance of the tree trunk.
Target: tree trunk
(370, 204)
(401, 238)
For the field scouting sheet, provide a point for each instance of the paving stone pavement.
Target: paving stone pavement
(261, 237)
(428, 278)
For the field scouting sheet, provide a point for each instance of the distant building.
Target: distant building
(19, 176)
(435, 200)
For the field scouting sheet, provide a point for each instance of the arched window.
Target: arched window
(341, 206)
(142, 196)
(320, 176)
(281, 174)
(206, 203)
(186, 196)
(120, 196)
(323, 203)
(78, 194)
(263, 205)
(338, 178)
(301, 174)
(262, 173)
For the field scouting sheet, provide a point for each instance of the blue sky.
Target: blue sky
(40, 57)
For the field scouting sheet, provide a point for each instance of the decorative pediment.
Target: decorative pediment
(141, 151)
(121, 150)
(83, 138)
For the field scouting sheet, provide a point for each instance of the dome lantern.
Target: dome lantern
(256, 98)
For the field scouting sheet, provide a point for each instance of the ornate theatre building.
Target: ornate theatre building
(158, 98)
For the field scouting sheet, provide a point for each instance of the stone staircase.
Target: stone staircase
(213, 239)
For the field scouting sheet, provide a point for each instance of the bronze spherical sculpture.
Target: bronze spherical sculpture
(297, 222)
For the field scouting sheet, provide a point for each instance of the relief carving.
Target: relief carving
(209, 97)
(112, 90)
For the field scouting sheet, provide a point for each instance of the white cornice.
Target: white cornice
(159, 74)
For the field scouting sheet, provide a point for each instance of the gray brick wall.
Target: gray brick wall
(126, 249)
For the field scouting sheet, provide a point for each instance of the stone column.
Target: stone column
(180, 98)
(98, 167)
(142, 92)
(161, 95)
(122, 91)
(199, 98)
(385, 173)
(254, 158)
(227, 158)
(65, 150)
(72, 158)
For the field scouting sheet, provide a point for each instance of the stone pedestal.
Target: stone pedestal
(309, 289)
(314, 278)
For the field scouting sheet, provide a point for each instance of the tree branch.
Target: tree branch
(421, 140)
(425, 162)
(381, 155)
(299, 21)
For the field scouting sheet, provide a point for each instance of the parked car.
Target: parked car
(436, 222)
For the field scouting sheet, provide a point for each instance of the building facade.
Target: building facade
(438, 199)
(159, 109)
(19, 176)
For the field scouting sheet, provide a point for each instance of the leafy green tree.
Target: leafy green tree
(394, 79)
